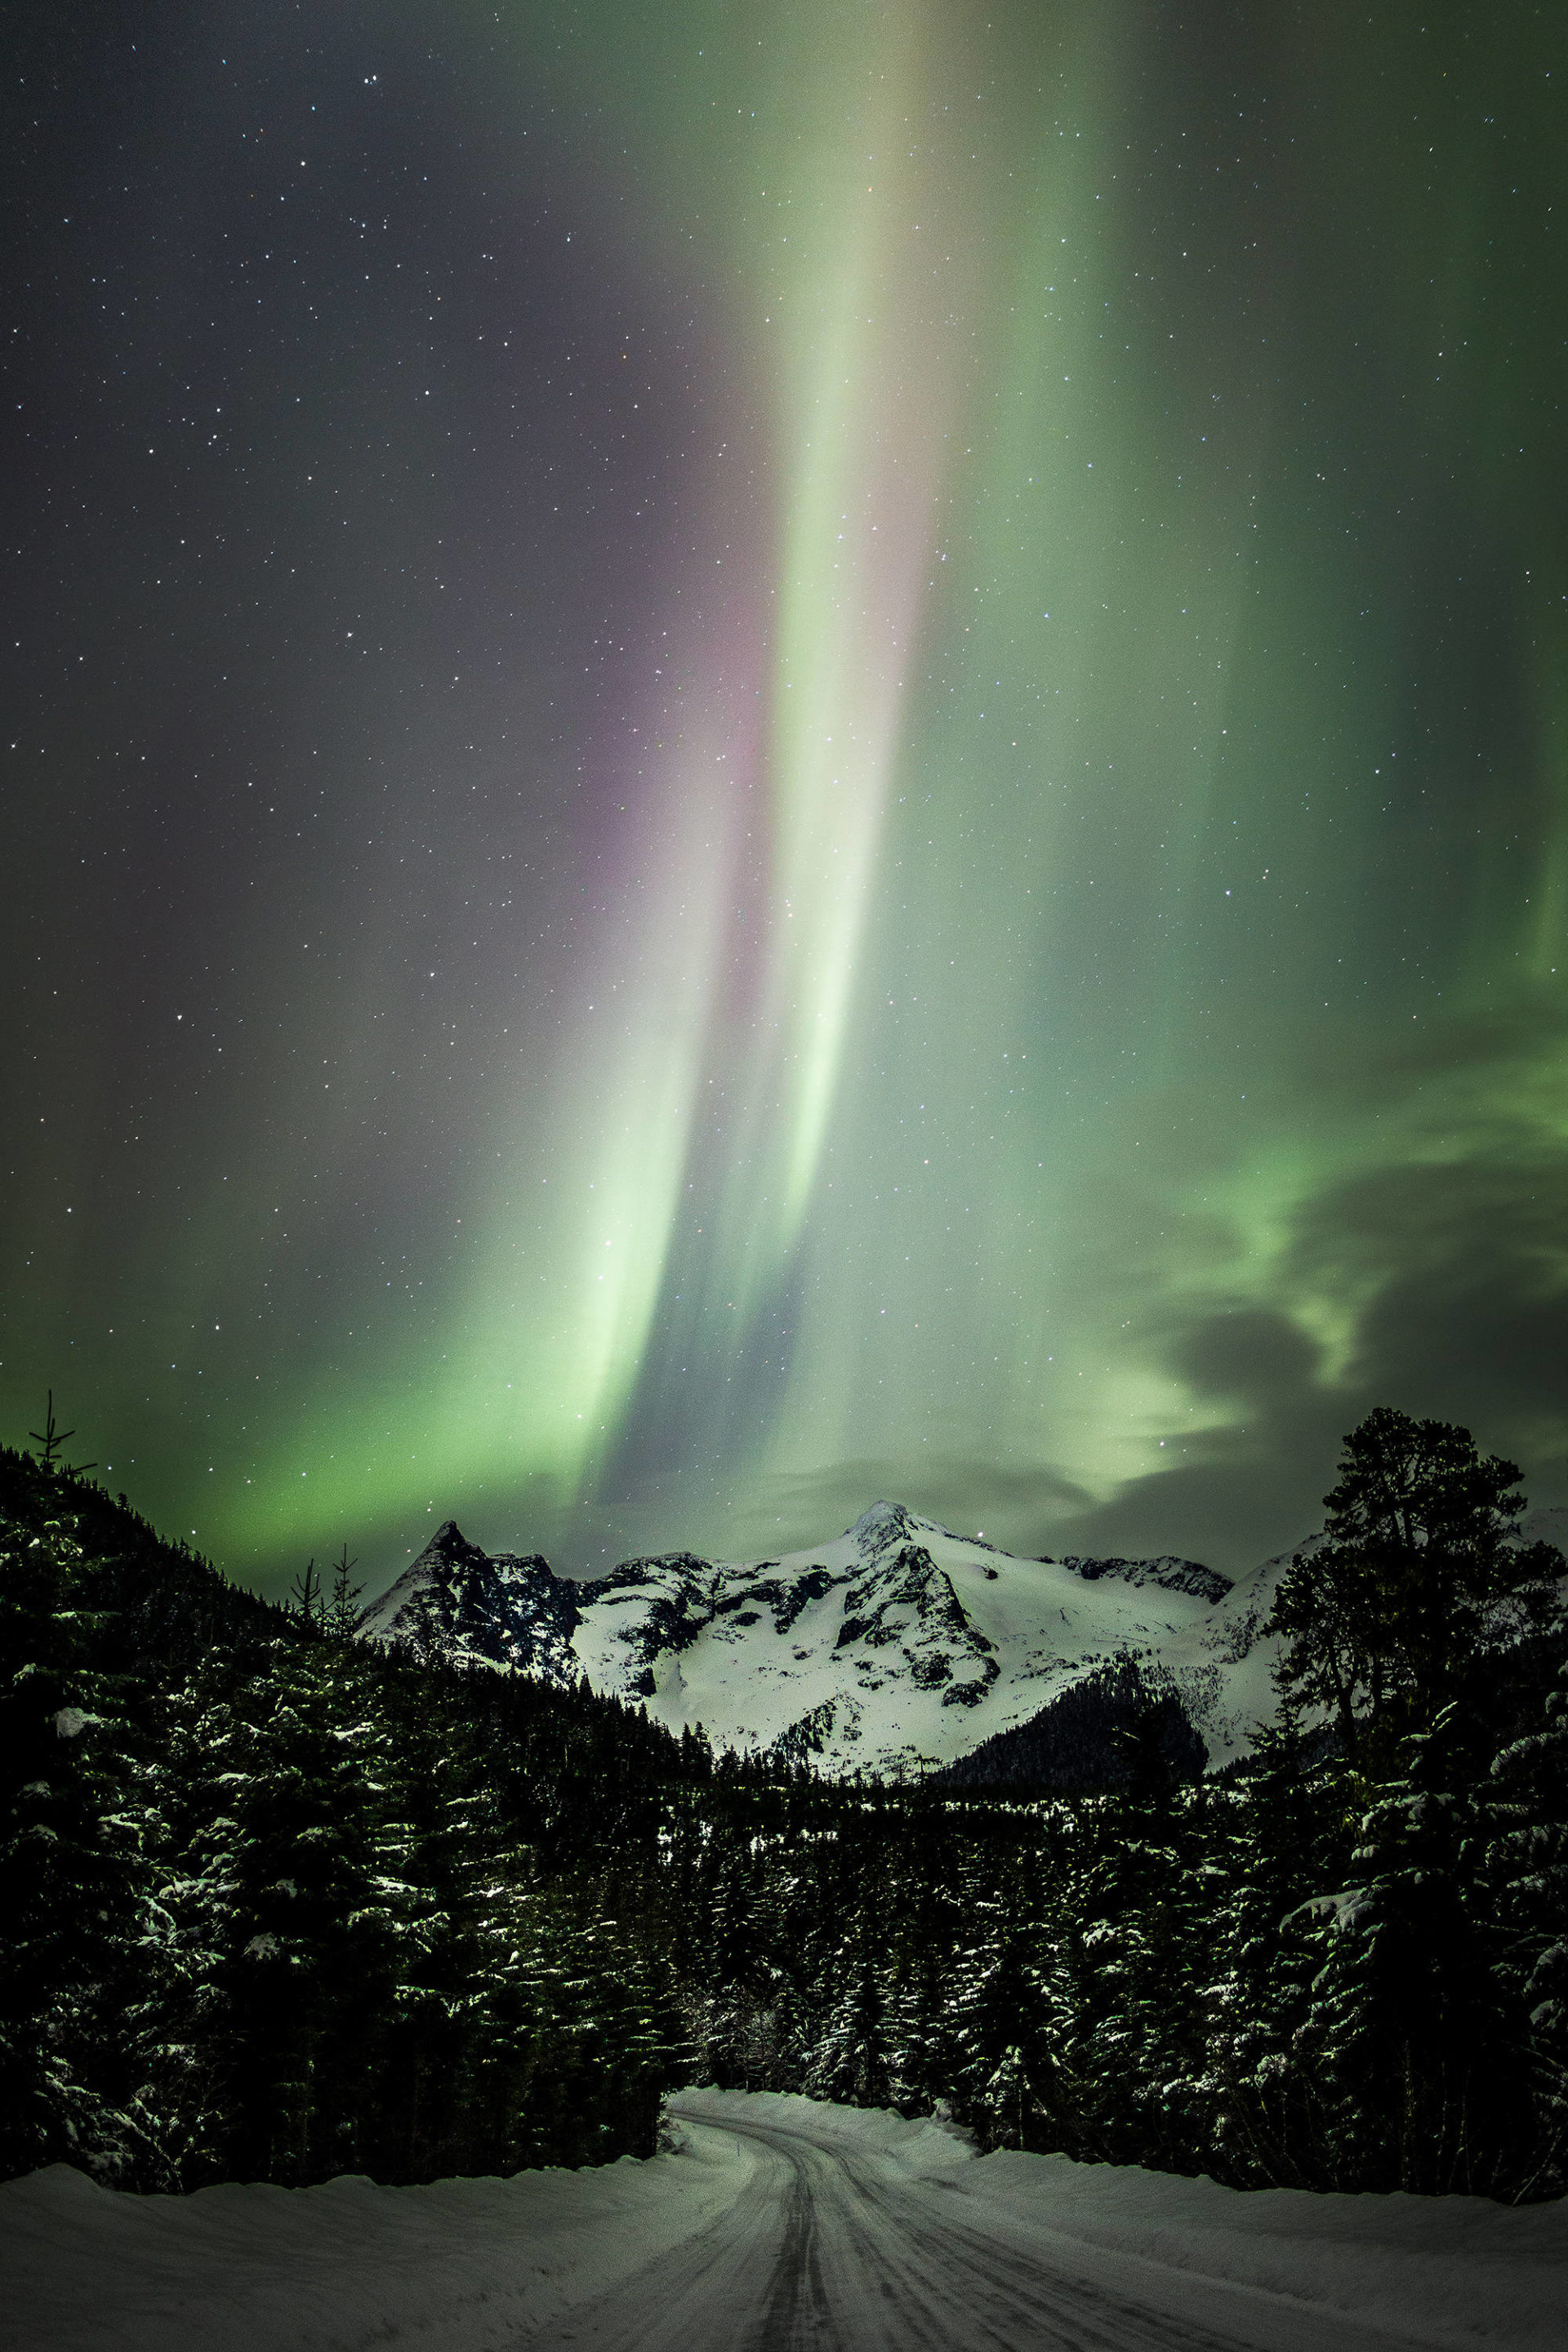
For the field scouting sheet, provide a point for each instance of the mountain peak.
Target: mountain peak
(897, 1645)
(459, 1602)
(885, 1521)
(448, 1543)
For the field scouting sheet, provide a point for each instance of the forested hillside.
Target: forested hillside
(280, 1904)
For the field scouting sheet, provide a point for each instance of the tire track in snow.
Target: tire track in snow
(827, 2249)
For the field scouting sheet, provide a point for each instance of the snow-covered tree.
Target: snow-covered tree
(1526, 1876)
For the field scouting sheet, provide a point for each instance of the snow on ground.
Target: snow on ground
(1442, 2271)
(468, 2265)
(919, 2148)
(461, 2266)
(1439, 2271)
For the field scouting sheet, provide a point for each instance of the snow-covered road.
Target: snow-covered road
(832, 2245)
(780, 2222)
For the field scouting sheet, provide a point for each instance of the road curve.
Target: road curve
(829, 2247)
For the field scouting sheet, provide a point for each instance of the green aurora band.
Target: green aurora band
(1071, 1006)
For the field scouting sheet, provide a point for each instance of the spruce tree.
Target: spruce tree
(1277, 1836)
(1418, 1582)
(1412, 2038)
(851, 2061)
(1527, 1877)
(70, 1861)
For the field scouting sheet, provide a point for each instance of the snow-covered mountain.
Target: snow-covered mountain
(897, 1645)
(479, 1608)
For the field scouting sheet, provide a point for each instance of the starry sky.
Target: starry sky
(756, 757)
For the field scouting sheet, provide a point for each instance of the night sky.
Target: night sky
(761, 756)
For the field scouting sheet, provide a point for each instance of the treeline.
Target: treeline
(277, 1905)
(1343, 1967)
(1295, 1977)
(1085, 1739)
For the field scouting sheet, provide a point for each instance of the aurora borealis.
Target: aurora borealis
(757, 758)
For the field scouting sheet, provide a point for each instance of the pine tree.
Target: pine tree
(308, 1598)
(851, 2061)
(178, 2026)
(922, 2058)
(341, 1616)
(1005, 2030)
(1134, 2042)
(1277, 1836)
(1418, 1582)
(1526, 1876)
(291, 1837)
(69, 1862)
(1411, 2040)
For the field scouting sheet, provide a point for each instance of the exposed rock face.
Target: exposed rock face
(904, 1602)
(459, 1603)
(1171, 1574)
(895, 1647)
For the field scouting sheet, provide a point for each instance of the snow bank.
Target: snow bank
(924, 2147)
(1441, 2271)
(464, 2265)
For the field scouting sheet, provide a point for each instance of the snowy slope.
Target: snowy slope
(895, 1645)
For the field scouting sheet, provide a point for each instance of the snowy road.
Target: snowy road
(827, 2246)
(781, 2224)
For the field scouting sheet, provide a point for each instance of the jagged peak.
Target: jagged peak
(449, 1547)
(449, 1543)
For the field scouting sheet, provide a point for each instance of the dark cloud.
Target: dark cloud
(1526, 1030)
(1234, 1493)
(1473, 1067)
(1456, 1277)
(1249, 1352)
(1468, 1317)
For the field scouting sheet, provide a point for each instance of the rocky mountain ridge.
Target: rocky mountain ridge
(896, 1646)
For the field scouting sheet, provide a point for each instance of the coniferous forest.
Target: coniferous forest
(279, 1905)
